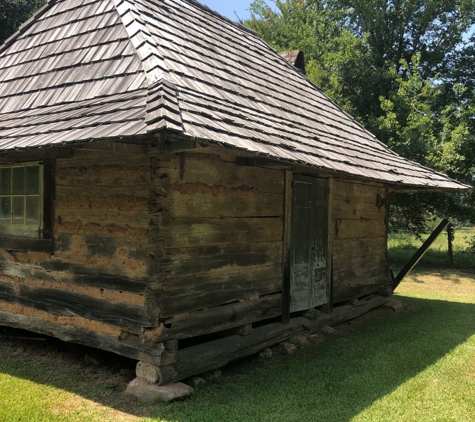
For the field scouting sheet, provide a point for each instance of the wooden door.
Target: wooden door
(309, 285)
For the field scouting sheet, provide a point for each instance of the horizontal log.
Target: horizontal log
(134, 227)
(360, 287)
(72, 274)
(347, 229)
(187, 294)
(346, 312)
(85, 157)
(187, 232)
(57, 302)
(74, 199)
(350, 192)
(214, 354)
(241, 202)
(210, 170)
(220, 318)
(359, 267)
(344, 249)
(105, 246)
(203, 259)
(90, 190)
(111, 343)
(355, 210)
(26, 244)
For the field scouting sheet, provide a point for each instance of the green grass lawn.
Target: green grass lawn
(414, 366)
(403, 245)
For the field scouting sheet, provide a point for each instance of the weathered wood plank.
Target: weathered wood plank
(57, 302)
(186, 232)
(328, 307)
(111, 343)
(26, 244)
(220, 318)
(214, 202)
(202, 259)
(346, 229)
(359, 211)
(358, 287)
(351, 248)
(111, 223)
(187, 294)
(211, 170)
(346, 312)
(361, 192)
(100, 200)
(359, 266)
(73, 274)
(104, 246)
(138, 194)
(286, 265)
(217, 353)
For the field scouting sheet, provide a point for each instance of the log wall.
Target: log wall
(217, 232)
(95, 279)
(359, 240)
(151, 246)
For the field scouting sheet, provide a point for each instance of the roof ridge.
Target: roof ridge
(142, 40)
(163, 110)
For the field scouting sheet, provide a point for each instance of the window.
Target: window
(21, 200)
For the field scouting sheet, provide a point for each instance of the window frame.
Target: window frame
(43, 241)
(33, 231)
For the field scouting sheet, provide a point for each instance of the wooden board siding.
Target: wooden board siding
(217, 230)
(359, 240)
(97, 277)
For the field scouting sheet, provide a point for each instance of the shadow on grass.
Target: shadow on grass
(455, 278)
(332, 381)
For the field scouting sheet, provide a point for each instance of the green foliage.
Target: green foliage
(404, 70)
(13, 13)
(402, 246)
(337, 61)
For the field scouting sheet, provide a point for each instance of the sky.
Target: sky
(228, 7)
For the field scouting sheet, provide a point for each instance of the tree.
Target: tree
(404, 69)
(13, 13)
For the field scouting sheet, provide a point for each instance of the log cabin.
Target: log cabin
(174, 191)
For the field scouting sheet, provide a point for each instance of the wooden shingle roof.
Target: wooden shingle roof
(83, 70)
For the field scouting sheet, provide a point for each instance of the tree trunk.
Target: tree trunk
(450, 240)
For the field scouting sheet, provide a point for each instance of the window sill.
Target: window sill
(25, 244)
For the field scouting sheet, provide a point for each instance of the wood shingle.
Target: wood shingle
(91, 69)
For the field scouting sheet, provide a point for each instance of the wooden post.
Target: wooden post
(286, 248)
(420, 253)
